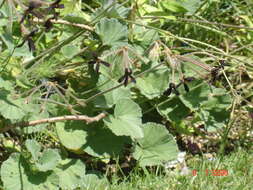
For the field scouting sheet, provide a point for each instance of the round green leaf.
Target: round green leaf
(126, 120)
(173, 109)
(12, 109)
(93, 139)
(191, 6)
(48, 160)
(173, 6)
(146, 36)
(35, 113)
(217, 98)
(71, 174)
(112, 32)
(198, 94)
(71, 134)
(102, 142)
(33, 147)
(93, 181)
(16, 175)
(211, 105)
(214, 119)
(154, 83)
(110, 98)
(7, 85)
(74, 9)
(69, 50)
(156, 147)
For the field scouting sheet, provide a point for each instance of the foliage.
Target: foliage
(153, 68)
(156, 146)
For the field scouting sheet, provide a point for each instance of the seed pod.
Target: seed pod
(186, 87)
(48, 25)
(176, 91)
(167, 92)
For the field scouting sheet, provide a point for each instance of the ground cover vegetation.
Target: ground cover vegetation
(105, 94)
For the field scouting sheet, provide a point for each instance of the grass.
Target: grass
(238, 164)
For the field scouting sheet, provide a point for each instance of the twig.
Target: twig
(85, 118)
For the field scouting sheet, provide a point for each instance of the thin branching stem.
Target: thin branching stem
(84, 118)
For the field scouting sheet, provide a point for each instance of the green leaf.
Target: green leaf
(146, 8)
(8, 40)
(45, 161)
(73, 8)
(122, 11)
(71, 134)
(77, 17)
(211, 104)
(71, 174)
(110, 98)
(156, 147)
(154, 83)
(69, 50)
(218, 98)
(23, 52)
(126, 120)
(34, 113)
(12, 108)
(173, 6)
(16, 175)
(93, 181)
(7, 85)
(48, 160)
(93, 139)
(116, 11)
(102, 142)
(116, 70)
(204, 96)
(214, 119)
(173, 109)
(33, 147)
(199, 92)
(146, 36)
(191, 5)
(112, 32)
(7, 10)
